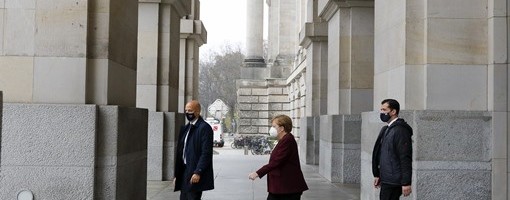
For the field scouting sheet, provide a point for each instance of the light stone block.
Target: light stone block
(500, 135)
(415, 41)
(64, 169)
(449, 88)
(263, 99)
(23, 4)
(459, 131)
(155, 146)
(243, 106)
(16, 78)
(497, 50)
(2, 27)
(259, 91)
(274, 91)
(61, 29)
(59, 80)
(456, 9)
(264, 115)
(415, 94)
(497, 87)
(440, 184)
(457, 41)
(278, 99)
(259, 107)
(244, 91)
(19, 32)
(389, 47)
(98, 34)
(499, 183)
(361, 100)
(147, 58)
(57, 182)
(146, 97)
(497, 8)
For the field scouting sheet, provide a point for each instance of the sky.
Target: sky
(225, 22)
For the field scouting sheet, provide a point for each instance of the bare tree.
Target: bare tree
(217, 77)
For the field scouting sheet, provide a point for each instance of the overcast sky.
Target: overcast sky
(225, 22)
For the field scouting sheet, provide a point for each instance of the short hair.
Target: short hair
(392, 104)
(283, 120)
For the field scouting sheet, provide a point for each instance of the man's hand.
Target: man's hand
(173, 182)
(406, 190)
(377, 182)
(252, 176)
(195, 178)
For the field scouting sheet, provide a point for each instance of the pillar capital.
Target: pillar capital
(313, 32)
(194, 29)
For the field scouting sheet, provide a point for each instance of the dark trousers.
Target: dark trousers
(191, 195)
(293, 196)
(390, 192)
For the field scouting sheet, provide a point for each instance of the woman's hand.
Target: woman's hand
(252, 176)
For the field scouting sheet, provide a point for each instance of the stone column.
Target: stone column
(283, 34)
(498, 54)
(193, 35)
(158, 80)
(313, 38)
(254, 31)
(254, 65)
(435, 59)
(349, 86)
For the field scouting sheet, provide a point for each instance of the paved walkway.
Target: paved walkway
(232, 167)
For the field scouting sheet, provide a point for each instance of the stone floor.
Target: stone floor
(232, 167)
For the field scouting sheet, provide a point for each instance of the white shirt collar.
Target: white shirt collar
(389, 124)
(194, 121)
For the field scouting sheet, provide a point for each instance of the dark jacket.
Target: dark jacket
(393, 154)
(199, 153)
(284, 175)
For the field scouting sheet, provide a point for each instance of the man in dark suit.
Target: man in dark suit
(392, 157)
(193, 158)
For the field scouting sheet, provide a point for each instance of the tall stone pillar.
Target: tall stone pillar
(158, 80)
(349, 87)
(254, 31)
(282, 37)
(437, 60)
(193, 35)
(313, 38)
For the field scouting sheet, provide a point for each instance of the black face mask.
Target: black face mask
(190, 116)
(385, 117)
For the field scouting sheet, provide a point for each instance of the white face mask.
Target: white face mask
(273, 132)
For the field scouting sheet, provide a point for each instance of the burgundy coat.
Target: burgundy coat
(284, 175)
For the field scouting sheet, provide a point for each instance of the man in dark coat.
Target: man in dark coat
(193, 158)
(393, 154)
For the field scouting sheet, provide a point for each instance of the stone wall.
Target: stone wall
(448, 146)
(73, 151)
(259, 101)
(339, 151)
(162, 138)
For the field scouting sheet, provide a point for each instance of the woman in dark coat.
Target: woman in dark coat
(284, 176)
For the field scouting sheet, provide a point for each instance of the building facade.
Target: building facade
(93, 93)
(446, 62)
